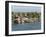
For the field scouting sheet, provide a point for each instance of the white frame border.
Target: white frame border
(28, 31)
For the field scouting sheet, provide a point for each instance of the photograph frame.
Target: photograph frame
(7, 17)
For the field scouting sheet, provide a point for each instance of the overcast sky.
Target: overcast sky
(25, 8)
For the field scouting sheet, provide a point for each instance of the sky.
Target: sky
(15, 8)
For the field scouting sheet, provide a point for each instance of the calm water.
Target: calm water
(26, 26)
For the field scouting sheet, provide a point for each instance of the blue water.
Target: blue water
(26, 26)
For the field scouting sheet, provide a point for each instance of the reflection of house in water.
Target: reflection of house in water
(23, 18)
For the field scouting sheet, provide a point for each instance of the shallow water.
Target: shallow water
(26, 26)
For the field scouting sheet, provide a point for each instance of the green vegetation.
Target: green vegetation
(26, 14)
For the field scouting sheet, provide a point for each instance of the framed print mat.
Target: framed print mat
(24, 18)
